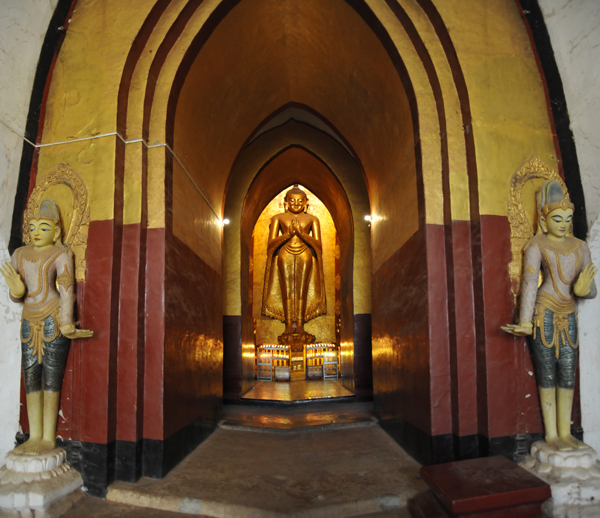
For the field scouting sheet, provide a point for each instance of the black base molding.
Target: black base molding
(515, 447)
(128, 460)
(101, 464)
(426, 449)
(437, 449)
(160, 457)
(95, 462)
(466, 447)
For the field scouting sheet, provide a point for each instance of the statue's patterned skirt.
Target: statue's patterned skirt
(552, 369)
(53, 361)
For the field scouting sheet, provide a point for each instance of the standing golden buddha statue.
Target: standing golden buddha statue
(548, 313)
(41, 275)
(294, 290)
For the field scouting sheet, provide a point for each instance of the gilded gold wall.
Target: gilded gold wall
(510, 121)
(506, 94)
(82, 100)
(194, 223)
(267, 53)
(268, 329)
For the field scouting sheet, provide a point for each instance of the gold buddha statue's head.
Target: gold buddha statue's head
(295, 200)
(556, 215)
(44, 227)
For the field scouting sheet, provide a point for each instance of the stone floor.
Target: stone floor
(87, 506)
(327, 459)
(298, 390)
(319, 414)
(269, 462)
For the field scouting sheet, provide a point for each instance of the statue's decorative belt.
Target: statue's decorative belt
(561, 311)
(35, 318)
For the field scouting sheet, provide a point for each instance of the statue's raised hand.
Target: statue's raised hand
(584, 282)
(518, 329)
(71, 332)
(13, 279)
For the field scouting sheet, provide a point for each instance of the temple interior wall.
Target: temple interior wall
(575, 35)
(508, 130)
(194, 337)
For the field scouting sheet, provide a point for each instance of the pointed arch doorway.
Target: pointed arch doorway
(310, 371)
(296, 152)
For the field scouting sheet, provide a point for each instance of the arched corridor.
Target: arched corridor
(180, 114)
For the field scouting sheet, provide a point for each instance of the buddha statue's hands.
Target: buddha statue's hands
(13, 279)
(583, 285)
(295, 228)
(522, 329)
(71, 332)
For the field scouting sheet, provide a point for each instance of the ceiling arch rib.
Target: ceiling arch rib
(149, 92)
(300, 114)
(429, 130)
(132, 92)
(296, 164)
(196, 23)
(181, 57)
(337, 62)
(422, 33)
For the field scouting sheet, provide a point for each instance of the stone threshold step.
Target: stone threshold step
(293, 403)
(120, 492)
(280, 428)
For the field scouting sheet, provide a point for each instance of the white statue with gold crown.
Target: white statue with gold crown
(42, 277)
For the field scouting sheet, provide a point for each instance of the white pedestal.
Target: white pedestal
(574, 476)
(36, 481)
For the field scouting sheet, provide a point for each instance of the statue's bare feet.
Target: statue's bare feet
(559, 444)
(569, 439)
(41, 447)
(30, 443)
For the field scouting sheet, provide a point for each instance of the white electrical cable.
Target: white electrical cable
(114, 133)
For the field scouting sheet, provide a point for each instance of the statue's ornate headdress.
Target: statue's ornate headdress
(48, 211)
(553, 198)
(74, 230)
(523, 224)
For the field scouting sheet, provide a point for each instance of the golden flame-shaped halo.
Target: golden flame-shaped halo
(75, 231)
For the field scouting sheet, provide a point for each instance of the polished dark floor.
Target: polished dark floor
(324, 415)
(299, 390)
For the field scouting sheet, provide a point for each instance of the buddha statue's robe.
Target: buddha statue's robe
(294, 249)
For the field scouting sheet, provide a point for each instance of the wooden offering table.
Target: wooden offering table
(491, 487)
(321, 361)
(273, 362)
(276, 362)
